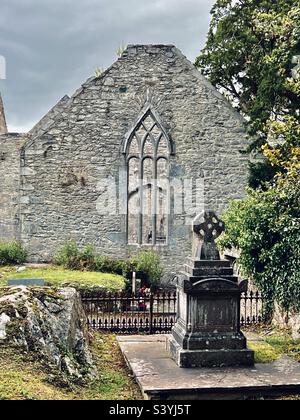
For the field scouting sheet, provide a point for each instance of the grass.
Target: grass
(281, 344)
(57, 276)
(277, 342)
(264, 352)
(279, 339)
(116, 381)
(285, 345)
(23, 378)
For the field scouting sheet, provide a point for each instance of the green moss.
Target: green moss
(49, 294)
(285, 345)
(57, 276)
(280, 341)
(264, 353)
(14, 328)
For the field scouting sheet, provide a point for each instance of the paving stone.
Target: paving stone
(160, 378)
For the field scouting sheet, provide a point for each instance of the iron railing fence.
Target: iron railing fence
(252, 308)
(123, 313)
(150, 313)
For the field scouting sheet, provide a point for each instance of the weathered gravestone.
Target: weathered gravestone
(207, 332)
(26, 282)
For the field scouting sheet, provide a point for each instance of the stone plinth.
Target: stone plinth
(207, 332)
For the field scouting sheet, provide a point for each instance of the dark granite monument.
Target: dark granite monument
(207, 332)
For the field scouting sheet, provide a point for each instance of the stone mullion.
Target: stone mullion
(141, 179)
(168, 193)
(154, 201)
(168, 202)
(154, 194)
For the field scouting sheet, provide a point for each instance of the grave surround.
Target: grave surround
(160, 378)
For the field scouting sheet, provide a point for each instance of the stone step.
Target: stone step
(208, 263)
(209, 271)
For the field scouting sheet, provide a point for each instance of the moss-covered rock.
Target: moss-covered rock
(49, 323)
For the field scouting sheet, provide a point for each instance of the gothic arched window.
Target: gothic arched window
(148, 149)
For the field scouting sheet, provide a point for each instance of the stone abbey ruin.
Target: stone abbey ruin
(125, 163)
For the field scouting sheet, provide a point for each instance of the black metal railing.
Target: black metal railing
(150, 313)
(123, 313)
(251, 308)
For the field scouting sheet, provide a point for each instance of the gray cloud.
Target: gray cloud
(51, 47)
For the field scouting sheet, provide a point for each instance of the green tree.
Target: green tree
(265, 227)
(249, 58)
(286, 156)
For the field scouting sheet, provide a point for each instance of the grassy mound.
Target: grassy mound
(58, 276)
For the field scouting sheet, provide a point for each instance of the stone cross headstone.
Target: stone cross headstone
(207, 331)
(207, 227)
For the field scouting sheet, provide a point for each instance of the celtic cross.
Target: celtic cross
(207, 227)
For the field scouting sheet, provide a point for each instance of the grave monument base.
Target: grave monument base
(208, 358)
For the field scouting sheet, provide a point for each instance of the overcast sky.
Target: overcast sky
(52, 46)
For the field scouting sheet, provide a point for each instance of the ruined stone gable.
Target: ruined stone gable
(86, 142)
(10, 146)
(3, 127)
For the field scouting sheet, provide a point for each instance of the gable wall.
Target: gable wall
(10, 145)
(63, 166)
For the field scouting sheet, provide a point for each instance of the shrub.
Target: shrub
(149, 264)
(70, 257)
(12, 253)
(109, 265)
(146, 263)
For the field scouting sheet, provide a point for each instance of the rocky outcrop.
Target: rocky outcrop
(50, 323)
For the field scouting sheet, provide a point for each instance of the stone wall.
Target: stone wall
(10, 145)
(78, 147)
(287, 320)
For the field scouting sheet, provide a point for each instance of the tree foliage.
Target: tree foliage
(249, 58)
(265, 227)
(287, 155)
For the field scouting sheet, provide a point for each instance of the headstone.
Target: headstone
(207, 227)
(26, 282)
(207, 332)
(134, 282)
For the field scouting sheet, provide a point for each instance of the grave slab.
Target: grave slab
(160, 378)
(26, 282)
